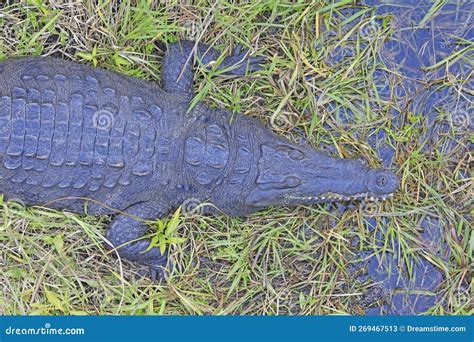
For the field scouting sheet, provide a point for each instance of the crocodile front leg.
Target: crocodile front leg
(128, 227)
(177, 67)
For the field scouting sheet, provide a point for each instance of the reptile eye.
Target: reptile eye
(296, 155)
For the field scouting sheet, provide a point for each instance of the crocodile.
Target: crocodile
(93, 141)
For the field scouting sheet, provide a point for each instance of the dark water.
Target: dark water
(410, 52)
(447, 115)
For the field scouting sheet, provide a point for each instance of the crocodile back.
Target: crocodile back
(68, 126)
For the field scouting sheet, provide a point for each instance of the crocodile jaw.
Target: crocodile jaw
(290, 175)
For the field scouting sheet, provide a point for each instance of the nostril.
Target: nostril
(381, 181)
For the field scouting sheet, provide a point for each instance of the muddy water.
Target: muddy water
(411, 52)
(414, 81)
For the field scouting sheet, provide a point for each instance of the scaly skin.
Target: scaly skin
(91, 140)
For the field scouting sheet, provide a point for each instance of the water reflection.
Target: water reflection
(412, 78)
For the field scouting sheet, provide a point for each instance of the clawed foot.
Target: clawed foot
(239, 63)
(156, 272)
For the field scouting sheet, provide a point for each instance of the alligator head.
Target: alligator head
(292, 175)
(268, 170)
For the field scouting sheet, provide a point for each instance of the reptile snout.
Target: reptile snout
(381, 182)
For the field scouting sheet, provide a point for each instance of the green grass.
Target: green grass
(279, 261)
